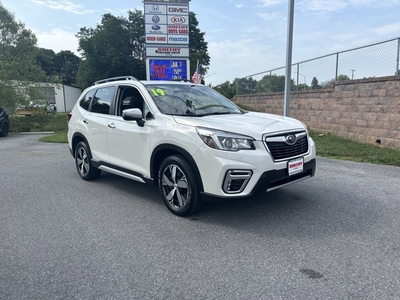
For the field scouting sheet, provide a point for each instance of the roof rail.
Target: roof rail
(115, 79)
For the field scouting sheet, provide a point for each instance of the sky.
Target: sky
(244, 36)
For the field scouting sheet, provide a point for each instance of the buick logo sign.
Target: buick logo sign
(291, 139)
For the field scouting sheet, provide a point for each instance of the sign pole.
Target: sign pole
(288, 73)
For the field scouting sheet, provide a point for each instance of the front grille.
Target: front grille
(279, 149)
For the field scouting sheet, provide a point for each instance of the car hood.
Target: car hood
(252, 123)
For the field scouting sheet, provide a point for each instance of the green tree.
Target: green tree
(227, 89)
(111, 49)
(198, 47)
(136, 32)
(45, 59)
(314, 83)
(18, 65)
(246, 85)
(343, 77)
(272, 83)
(66, 65)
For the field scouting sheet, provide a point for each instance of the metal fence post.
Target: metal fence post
(337, 65)
(398, 54)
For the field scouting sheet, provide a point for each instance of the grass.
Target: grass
(56, 123)
(331, 146)
(328, 145)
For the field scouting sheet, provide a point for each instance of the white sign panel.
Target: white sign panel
(178, 39)
(156, 39)
(167, 51)
(178, 10)
(155, 9)
(155, 19)
(178, 29)
(156, 29)
(178, 20)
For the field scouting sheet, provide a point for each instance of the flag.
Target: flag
(196, 78)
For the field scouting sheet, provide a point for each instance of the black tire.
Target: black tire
(83, 162)
(178, 186)
(4, 129)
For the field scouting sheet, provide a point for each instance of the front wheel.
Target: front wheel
(178, 186)
(83, 162)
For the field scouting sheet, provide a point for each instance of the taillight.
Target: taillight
(69, 116)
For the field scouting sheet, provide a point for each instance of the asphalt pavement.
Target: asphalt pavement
(335, 236)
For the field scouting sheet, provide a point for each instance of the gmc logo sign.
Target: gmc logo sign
(180, 10)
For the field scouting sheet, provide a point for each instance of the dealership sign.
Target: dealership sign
(167, 51)
(167, 39)
(170, 20)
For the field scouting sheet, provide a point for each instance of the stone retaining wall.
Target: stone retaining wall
(366, 110)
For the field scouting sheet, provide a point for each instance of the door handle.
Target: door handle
(85, 121)
(111, 125)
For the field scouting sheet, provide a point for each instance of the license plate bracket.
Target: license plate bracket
(295, 166)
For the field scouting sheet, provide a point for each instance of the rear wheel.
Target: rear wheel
(4, 129)
(178, 186)
(83, 162)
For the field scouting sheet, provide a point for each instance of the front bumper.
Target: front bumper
(272, 180)
(266, 174)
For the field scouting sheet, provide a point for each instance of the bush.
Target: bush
(38, 123)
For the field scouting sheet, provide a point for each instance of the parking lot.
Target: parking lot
(335, 236)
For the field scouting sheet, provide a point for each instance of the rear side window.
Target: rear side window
(102, 100)
(85, 102)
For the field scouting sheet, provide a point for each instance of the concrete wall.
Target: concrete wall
(366, 110)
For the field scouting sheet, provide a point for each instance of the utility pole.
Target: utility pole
(352, 73)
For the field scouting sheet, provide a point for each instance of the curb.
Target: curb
(37, 133)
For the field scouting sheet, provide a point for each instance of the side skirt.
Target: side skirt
(122, 172)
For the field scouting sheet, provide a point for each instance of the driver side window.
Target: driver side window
(130, 97)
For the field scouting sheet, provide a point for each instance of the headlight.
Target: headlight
(224, 140)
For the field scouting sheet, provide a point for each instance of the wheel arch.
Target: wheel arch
(163, 151)
(76, 139)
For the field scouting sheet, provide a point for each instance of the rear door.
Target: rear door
(96, 120)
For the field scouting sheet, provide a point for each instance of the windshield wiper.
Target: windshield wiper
(217, 113)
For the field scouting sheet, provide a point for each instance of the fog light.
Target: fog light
(236, 180)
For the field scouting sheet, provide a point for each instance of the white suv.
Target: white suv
(186, 138)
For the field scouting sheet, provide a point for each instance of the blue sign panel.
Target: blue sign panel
(168, 69)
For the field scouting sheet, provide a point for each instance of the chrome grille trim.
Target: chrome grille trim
(277, 146)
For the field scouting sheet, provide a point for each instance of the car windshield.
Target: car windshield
(190, 100)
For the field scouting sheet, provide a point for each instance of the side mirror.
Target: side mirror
(133, 114)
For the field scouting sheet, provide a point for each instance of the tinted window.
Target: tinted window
(131, 98)
(102, 100)
(85, 102)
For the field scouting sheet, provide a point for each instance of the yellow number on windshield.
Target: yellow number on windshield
(158, 92)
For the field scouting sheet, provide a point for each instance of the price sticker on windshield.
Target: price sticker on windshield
(158, 92)
(295, 166)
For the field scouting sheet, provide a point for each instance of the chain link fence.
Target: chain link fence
(375, 60)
